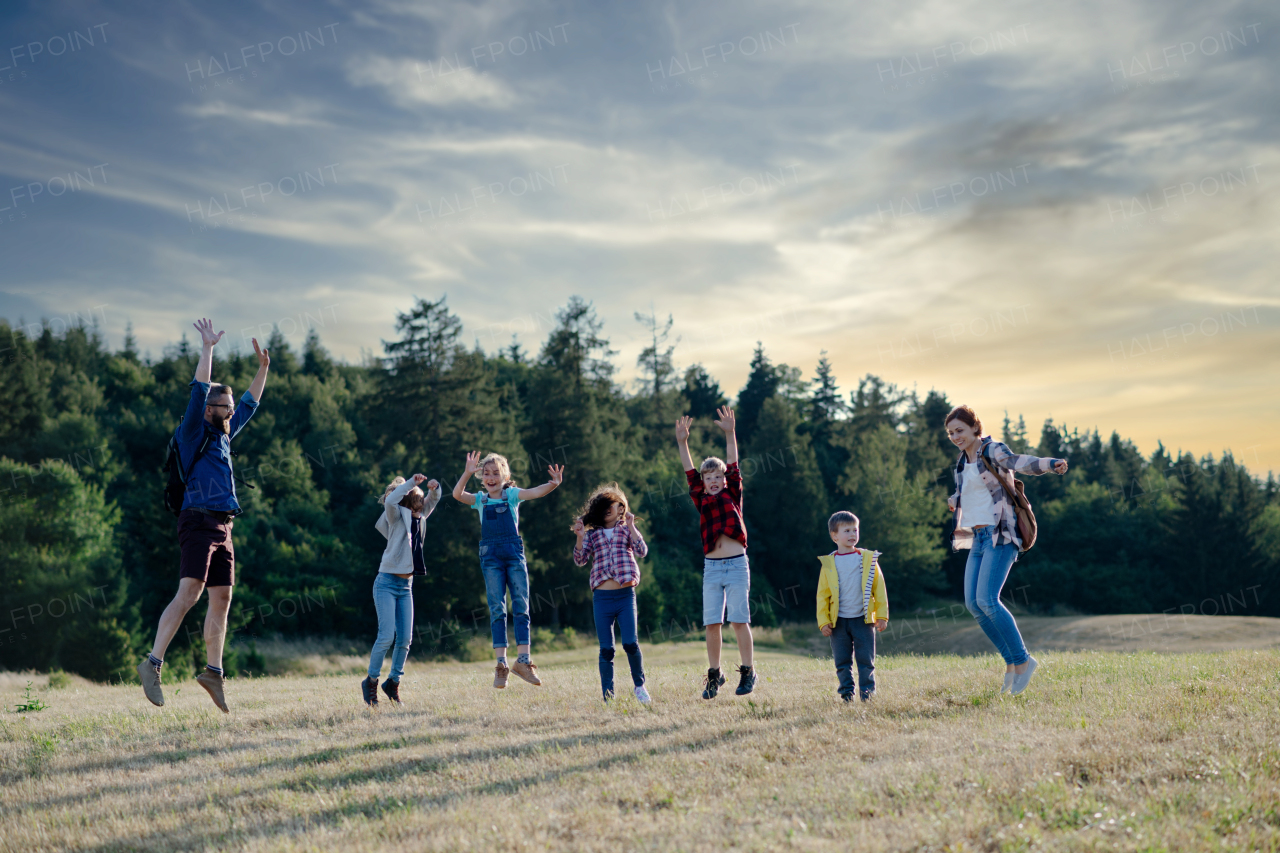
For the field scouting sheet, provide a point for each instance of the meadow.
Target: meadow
(1106, 751)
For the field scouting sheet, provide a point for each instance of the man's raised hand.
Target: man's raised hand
(208, 337)
(264, 360)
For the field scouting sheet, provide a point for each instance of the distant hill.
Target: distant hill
(955, 632)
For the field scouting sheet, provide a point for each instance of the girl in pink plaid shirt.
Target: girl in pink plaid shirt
(607, 535)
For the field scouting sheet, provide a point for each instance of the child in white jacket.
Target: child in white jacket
(403, 523)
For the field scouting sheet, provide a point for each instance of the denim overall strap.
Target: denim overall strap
(497, 520)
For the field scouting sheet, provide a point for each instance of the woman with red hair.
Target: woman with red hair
(987, 525)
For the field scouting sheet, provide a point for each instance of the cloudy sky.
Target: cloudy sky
(1062, 210)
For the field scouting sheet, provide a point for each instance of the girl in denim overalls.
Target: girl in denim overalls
(502, 554)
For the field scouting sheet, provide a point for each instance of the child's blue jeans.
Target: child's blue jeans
(617, 605)
(852, 639)
(502, 563)
(393, 599)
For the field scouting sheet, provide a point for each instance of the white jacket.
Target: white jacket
(394, 523)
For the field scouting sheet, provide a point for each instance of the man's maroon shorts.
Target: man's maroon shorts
(207, 554)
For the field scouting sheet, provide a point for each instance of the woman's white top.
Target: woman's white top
(975, 499)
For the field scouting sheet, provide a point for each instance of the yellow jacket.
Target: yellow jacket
(874, 597)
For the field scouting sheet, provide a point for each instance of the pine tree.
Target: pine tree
(825, 404)
(702, 394)
(762, 383)
(316, 360)
(655, 361)
(900, 514)
(826, 410)
(1015, 436)
(876, 402)
(575, 418)
(785, 509)
(130, 351)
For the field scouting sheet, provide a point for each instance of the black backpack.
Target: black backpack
(176, 487)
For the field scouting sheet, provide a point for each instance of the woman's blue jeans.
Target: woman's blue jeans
(617, 605)
(984, 576)
(393, 599)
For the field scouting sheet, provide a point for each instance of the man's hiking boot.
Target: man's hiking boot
(150, 677)
(500, 673)
(392, 689)
(213, 682)
(747, 680)
(710, 687)
(527, 671)
(369, 689)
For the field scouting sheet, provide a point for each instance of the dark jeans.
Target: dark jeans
(617, 605)
(855, 640)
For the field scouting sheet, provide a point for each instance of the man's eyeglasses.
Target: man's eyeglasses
(228, 406)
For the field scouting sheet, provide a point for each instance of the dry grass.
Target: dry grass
(1106, 751)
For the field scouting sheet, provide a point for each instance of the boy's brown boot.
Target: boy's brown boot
(500, 673)
(527, 671)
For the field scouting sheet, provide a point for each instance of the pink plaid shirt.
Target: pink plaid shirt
(613, 558)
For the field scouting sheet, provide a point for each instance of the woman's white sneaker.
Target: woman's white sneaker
(1008, 681)
(1020, 682)
(643, 695)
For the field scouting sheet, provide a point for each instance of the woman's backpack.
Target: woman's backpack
(1018, 495)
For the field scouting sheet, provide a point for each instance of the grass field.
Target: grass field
(1106, 751)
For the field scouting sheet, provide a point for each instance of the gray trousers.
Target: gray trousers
(854, 640)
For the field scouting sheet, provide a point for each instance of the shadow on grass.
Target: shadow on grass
(197, 836)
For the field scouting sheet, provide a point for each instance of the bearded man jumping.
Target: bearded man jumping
(208, 509)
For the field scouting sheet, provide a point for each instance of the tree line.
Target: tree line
(89, 558)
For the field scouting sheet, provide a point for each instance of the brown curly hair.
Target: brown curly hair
(603, 497)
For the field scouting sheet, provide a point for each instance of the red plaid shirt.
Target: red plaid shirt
(719, 514)
(613, 558)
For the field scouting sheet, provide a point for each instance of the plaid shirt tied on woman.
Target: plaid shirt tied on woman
(614, 557)
(1000, 456)
(719, 514)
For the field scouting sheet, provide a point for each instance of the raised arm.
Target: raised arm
(260, 380)
(726, 422)
(682, 441)
(397, 494)
(1001, 455)
(432, 498)
(638, 546)
(208, 340)
(460, 492)
(557, 476)
(580, 553)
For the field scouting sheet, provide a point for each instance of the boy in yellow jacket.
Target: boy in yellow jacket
(852, 605)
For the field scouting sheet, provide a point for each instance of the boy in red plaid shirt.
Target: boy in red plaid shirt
(716, 490)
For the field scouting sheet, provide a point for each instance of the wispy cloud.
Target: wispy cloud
(992, 200)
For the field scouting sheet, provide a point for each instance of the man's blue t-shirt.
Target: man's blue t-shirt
(210, 484)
